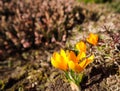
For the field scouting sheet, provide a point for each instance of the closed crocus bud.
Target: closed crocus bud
(81, 46)
(92, 39)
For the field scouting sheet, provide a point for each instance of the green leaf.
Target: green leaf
(80, 77)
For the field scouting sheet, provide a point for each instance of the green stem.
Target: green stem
(74, 78)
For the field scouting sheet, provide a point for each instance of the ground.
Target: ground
(31, 70)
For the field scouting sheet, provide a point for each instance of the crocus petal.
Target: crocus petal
(63, 64)
(57, 57)
(60, 64)
(78, 68)
(59, 61)
(71, 65)
(73, 57)
(74, 66)
(81, 46)
(64, 55)
(87, 61)
(92, 39)
(81, 55)
(54, 63)
(82, 64)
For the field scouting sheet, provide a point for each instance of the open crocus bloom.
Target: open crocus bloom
(60, 61)
(69, 60)
(92, 39)
(74, 66)
(86, 61)
(79, 62)
(81, 46)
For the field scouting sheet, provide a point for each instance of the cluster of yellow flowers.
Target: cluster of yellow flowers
(69, 60)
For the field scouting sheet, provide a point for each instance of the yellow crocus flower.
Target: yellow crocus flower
(60, 61)
(74, 60)
(87, 61)
(73, 57)
(69, 60)
(79, 66)
(74, 66)
(92, 39)
(81, 46)
(81, 56)
(64, 54)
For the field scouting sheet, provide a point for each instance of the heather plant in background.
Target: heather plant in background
(25, 23)
(73, 63)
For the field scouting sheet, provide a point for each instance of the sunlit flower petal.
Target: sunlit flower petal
(56, 56)
(73, 57)
(59, 60)
(63, 64)
(81, 55)
(71, 65)
(78, 68)
(81, 46)
(92, 39)
(54, 63)
(55, 60)
(64, 55)
(87, 61)
(74, 66)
